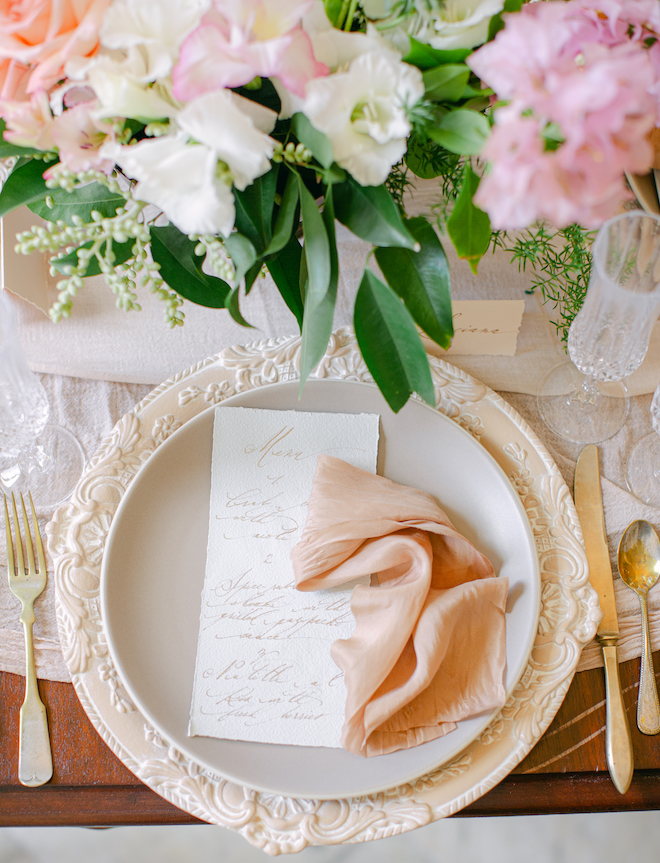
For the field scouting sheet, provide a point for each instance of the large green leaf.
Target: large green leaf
(286, 216)
(254, 210)
(285, 269)
(371, 214)
(425, 57)
(182, 268)
(390, 344)
(122, 252)
(316, 141)
(80, 202)
(462, 131)
(242, 253)
(316, 248)
(24, 185)
(468, 226)
(233, 308)
(319, 314)
(421, 279)
(446, 83)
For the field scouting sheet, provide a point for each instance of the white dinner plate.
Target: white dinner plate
(153, 573)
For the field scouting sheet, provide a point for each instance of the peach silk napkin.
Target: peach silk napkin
(428, 649)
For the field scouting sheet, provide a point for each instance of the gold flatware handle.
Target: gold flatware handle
(618, 744)
(648, 707)
(35, 761)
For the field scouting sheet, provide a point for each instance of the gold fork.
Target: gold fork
(35, 763)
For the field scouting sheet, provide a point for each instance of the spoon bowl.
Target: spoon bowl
(638, 559)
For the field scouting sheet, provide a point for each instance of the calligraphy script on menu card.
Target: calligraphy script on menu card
(263, 671)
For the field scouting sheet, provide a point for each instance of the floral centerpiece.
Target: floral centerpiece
(186, 146)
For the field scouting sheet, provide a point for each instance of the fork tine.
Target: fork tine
(18, 544)
(10, 542)
(29, 550)
(37, 538)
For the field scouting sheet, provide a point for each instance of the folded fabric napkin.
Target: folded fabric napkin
(428, 648)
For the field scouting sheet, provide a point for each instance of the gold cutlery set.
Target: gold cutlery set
(638, 563)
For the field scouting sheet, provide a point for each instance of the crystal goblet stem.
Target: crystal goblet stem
(35, 455)
(586, 401)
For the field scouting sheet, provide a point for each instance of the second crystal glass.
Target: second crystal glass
(585, 400)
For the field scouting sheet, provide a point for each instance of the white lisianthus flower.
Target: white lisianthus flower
(182, 180)
(220, 120)
(221, 142)
(452, 23)
(156, 27)
(363, 113)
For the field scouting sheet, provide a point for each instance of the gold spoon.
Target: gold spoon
(639, 566)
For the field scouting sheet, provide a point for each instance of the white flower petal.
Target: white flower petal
(215, 120)
(181, 179)
(362, 111)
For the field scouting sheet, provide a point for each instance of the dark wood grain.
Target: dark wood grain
(565, 772)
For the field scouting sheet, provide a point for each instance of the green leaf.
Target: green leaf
(497, 22)
(390, 344)
(468, 226)
(286, 216)
(24, 185)
(446, 83)
(371, 214)
(122, 252)
(242, 253)
(316, 248)
(462, 131)
(265, 95)
(421, 279)
(285, 269)
(314, 140)
(252, 274)
(425, 57)
(182, 268)
(254, 210)
(232, 306)
(333, 9)
(319, 314)
(80, 202)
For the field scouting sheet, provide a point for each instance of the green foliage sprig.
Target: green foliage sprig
(561, 262)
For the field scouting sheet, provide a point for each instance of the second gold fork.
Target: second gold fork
(35, 763)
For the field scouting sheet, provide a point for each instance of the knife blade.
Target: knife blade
(589, 504)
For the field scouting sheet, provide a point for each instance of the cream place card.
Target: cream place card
(263, 671)
(486, 327)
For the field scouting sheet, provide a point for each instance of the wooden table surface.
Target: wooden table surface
(565, 772)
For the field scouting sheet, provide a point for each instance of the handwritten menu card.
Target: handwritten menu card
(263, 670)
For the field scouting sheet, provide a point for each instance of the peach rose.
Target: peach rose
(37, 37)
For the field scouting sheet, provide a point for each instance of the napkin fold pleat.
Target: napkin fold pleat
(428, 649)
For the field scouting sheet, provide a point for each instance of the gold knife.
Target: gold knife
(589, 504)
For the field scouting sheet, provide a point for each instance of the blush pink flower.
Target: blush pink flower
(79, 137)
(239, 40)
(589, 70)
(37, 37)
(29, 121)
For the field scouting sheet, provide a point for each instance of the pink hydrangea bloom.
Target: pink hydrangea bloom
(238, 40)
(590, 68)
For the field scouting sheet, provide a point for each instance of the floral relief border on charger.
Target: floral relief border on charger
(280, 824)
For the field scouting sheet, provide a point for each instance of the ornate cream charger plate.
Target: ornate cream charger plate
(276, 823)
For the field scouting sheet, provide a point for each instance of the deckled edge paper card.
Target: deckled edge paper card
(263, 671)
